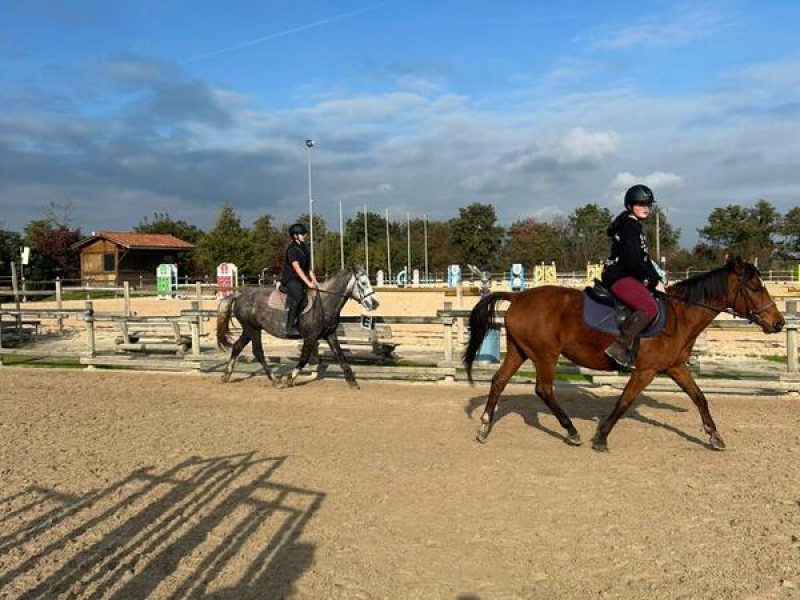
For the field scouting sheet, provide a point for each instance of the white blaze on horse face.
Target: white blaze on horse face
(366, 293)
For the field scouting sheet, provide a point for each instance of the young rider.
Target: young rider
(629, 274)
(297, 275)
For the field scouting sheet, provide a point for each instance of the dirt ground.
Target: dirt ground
(137, 485)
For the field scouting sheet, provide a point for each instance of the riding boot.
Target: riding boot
(622, 351)
(293, 309)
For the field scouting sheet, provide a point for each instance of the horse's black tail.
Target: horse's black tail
(224, 311)
(480, 320)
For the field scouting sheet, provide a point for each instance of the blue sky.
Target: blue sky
(124, 109)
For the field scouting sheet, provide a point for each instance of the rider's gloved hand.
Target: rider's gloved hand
(660, 287)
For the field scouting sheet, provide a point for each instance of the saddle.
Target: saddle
(277, 300)
(604, 312)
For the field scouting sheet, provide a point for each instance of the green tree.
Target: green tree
(530, 242)
(587, 234)
(228, 241)
(267, 243)
(789, 229)
(10, 244)
(477, 236)
(51, 250)
(668, 237)
(747, 232)
(163, 223)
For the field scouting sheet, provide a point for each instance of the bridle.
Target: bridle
(347, 293)
(752, 311)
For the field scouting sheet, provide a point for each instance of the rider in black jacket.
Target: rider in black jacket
(629, 273)
(297, 274)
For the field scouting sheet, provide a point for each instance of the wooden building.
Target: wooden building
(112, 257)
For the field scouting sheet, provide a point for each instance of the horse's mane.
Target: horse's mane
(339, 279)
(710, 285)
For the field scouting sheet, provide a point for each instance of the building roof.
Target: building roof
(138, 241)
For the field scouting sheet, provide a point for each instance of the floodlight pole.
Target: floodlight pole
(341, 235)
(309, 146)
(366, 241)
(425, 229)
(388, 248)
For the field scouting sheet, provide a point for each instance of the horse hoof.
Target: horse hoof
(225, 379)
(574, 439)
(716, 442)
(355, 386)
(600, 446)
(483, 432)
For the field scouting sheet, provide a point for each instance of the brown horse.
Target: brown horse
(546, 322)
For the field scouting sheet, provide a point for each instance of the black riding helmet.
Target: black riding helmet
(298, 229)
(639, 194)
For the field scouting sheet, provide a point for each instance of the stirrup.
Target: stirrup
(628, 365)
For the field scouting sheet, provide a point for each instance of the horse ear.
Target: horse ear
(739, 265)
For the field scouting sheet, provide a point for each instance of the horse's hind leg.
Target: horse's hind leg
(512, 361)
(238, 346)
(258, 351)
(545, 375)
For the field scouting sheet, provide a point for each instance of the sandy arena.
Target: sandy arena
(136, 485)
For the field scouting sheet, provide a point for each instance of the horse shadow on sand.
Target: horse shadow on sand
(580, 404)
(206, 528)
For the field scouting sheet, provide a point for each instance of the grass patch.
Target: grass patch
(76, 295)
(777, 358)
(12, 360)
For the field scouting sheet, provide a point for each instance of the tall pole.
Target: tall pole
(388, 248)
(341, 235)
(366, 241)
(425, 229)
(408, 254)
(309, 146)
(658, 239)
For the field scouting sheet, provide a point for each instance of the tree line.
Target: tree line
(474, 236)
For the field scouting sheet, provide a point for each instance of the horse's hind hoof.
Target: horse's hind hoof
(600, 446)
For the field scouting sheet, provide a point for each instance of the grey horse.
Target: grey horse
(252, 309)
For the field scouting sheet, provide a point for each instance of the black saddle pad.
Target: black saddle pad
(605, 318)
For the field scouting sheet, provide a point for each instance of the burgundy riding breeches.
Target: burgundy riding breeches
(633, 293)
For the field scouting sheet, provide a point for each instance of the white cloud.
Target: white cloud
(684, 23)
(657, 180)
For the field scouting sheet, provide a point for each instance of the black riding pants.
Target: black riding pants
(295, 290)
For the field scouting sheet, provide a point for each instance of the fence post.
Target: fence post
(791, 336)
(1, 336)
(447, 321)
(126, 290)
(198, 287)
(195, 327)
(16, 294)
(59, 305)
(89, 314)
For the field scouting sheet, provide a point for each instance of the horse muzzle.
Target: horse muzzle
(370, 303)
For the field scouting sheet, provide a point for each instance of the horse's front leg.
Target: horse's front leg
(336, 348)
(640, 379)
(683, 377)
(305, 355)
